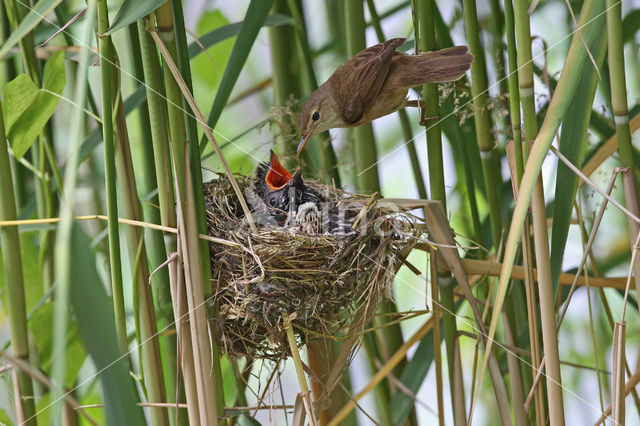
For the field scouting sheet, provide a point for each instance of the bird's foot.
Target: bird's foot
(425, 121)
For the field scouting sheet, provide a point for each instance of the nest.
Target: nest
(322, 283)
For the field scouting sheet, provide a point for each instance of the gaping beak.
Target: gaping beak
(277, 176)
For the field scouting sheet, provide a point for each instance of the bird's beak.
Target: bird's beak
(297, 177)
(305, 138)
(277, 176)
(303, 142)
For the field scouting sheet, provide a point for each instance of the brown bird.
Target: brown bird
(375, 83)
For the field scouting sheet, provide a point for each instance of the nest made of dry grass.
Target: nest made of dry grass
(322, 283)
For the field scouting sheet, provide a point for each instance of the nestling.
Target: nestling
(288, 200)
(374, 83)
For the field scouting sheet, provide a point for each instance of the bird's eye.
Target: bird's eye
(272, 202)
(315, 116)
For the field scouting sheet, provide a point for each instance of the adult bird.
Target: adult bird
(374, 83)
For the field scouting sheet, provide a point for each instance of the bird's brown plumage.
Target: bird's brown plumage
(375, 83)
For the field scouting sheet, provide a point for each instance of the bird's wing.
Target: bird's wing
(357, 82)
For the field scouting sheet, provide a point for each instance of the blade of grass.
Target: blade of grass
(253, 21)
(131, 11)
(572, 145)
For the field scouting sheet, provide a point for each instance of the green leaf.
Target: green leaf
(19, 93)
(573, 140)
(29, 253)
(131, 11)
(36, 14)
(231, 30)
(630, 25)
(40, 326)
(26, 123)
(4, 418)
(205, 73)
(253, 21)
(94, 315)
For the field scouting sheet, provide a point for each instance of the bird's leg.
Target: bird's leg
(419, 103)
(415, 103)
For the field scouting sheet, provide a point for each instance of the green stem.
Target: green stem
(160, 140)
(621, 117)
(146, 325)
(482, 119)
(209, 389)
(426, 26)
(402, 114)
(14, 280)
(17, 10)
(285, 84)
(518, 383)
(106, 78)
(364, 142)
(326, 152)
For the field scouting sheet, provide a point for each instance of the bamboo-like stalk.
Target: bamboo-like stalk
(203, 361)
(105, 48)
(426, 25)
(184, 338)
(154, 244)
(482, 119)
(147, 183)
(15, 296)
(328, 159)
(366, 169)
(160, 139)
(576, 59)
(147, 327)
(284, 83)
(302, 380)
(621, 114)
(540, 236)
(45, 203)
(514, 110)
(402, 114)
(209, 390)
(196, 174)
(382, 393)
(363, 139)
(64, 236)
(437, 354)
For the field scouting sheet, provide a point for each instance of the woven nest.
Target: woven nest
(323, 283)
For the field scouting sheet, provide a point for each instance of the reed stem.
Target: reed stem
(14, 279)
(107, 58)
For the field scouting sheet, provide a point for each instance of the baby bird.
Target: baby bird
(287, 199)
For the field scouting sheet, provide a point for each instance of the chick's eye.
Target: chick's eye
(315, 116)
(272, 202)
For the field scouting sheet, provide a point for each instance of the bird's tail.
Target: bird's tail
(435, 67)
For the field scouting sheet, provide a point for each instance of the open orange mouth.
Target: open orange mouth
(277, 176)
